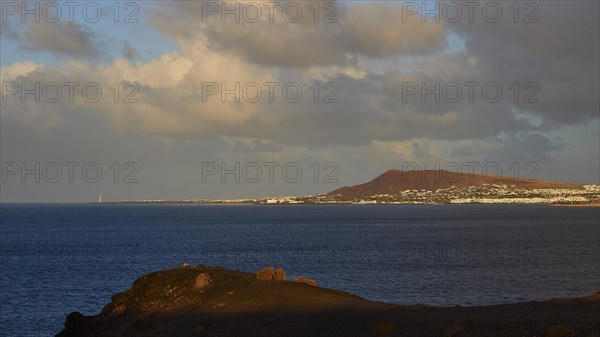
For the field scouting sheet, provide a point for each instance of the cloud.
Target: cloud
(368, 56)
(61, 38)
(166, 72)
(374, 30)
(559, 53)
(512, 147)
(7, 30)
(252, 145)
(18, 69)
(128, 51)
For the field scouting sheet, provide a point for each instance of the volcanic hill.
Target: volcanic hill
(395, 181)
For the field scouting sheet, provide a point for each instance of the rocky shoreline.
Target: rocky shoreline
(211, 301)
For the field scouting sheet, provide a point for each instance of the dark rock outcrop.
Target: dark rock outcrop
(209, 301)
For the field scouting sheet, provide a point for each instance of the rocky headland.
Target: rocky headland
(211, 301)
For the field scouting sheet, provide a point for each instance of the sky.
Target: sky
(204, 99)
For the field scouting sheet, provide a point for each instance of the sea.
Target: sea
(59, 258)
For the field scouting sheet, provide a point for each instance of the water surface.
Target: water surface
(61, 258)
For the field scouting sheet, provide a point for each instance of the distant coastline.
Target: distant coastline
(260, 202)
(588, 196)
(431, 188)
(575, 205)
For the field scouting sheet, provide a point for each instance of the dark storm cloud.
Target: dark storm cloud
(519, 147)
(560, 53)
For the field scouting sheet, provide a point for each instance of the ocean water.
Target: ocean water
(60, 258)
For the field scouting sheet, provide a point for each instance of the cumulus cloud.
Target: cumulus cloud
(19, 69)
(371, 105)
(376, 30)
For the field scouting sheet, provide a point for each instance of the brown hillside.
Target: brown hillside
(395, 181)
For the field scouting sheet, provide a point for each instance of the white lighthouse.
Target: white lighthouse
(100, 198)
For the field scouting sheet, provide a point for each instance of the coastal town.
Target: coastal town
(485, 194)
